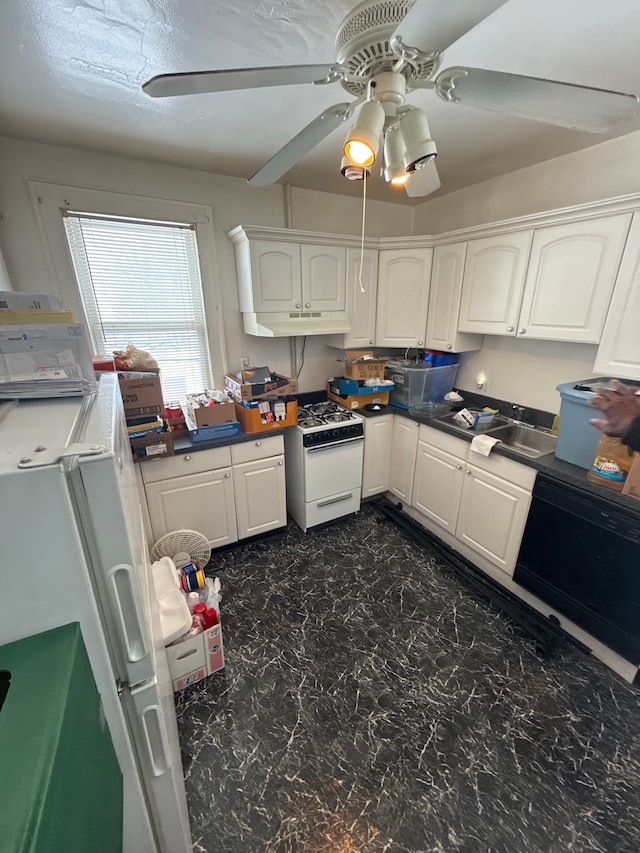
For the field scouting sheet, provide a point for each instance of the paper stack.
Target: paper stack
(43, 353)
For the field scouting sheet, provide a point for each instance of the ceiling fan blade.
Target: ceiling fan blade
(305, 141)
(433, 25)
(201, 82)
(563, 104)
(423, 181)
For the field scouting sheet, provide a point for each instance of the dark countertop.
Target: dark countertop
(551, 466)
(562, 471)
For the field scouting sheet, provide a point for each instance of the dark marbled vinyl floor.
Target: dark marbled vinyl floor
(373, 703)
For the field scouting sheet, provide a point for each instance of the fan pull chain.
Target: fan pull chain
(364, 204)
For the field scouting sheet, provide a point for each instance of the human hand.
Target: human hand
(620, 405)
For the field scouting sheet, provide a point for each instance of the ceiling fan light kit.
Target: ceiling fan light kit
(352, 172)
(362, 144)
(419, 147)
(386, 48)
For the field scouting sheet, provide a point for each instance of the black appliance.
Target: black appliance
(580, 553)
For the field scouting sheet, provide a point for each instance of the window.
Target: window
(140, 282)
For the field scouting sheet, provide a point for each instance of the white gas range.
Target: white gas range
(324, 455)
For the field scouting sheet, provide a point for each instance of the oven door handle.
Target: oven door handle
(333, 444)
(335, 500)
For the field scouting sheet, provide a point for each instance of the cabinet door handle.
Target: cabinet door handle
(522, 331)
(298, 305)
(227, 475)
(371, 342)
(420, 343)
(509, 328)
(187, 458)
(258, 443)
(281, 462)
(449, 346)
(467, 471)
(459, 467)
(307, 305)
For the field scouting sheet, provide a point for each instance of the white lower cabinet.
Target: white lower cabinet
(260, 496)
(226, 493)
(403, 457)
(492, 516)
(437, 485)
(481, 500)
(378, 437)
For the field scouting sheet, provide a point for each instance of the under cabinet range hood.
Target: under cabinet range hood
(293, 324)
(291, 283)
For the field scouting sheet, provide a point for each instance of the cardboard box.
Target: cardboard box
(141, 395)
(631, 486)
(279, 386)
(358, 401)
(251, 419)
(193, 658)
(208, 416)
(176, 424)
(370, 368)
(152, 445)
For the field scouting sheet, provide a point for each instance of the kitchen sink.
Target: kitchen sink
(523, 439)
(497, 421)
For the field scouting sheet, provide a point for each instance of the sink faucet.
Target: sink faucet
(518, 412)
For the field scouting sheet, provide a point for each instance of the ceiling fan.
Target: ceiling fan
(386, 49)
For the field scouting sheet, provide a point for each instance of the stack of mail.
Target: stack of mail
(43, 353)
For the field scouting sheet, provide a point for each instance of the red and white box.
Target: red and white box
(193, 658)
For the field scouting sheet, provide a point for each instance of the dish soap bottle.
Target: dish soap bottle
(611, 464)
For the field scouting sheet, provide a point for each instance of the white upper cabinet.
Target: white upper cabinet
(362, 288)
(493, 280)
(619, 350)
(289, 277)
(275, 277)
(323, 278)
(403, 296)
(444, 302)
(553, 284)
(570, 278)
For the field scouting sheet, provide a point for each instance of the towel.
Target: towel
(483, 444)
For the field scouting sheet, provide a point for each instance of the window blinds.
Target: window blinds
(140, 282)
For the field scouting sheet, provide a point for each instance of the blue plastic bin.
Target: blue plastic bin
(577, 439)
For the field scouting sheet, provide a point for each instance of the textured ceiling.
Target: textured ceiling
(71, 75)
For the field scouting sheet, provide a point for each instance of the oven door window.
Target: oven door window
(329, 470)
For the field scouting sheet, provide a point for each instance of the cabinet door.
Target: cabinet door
(619, 350)
(378, 435)
(324, 278)
(202, 502)
(403, 296)
(444, 302)
(403, 457)
(275, 276)
(492, 516)
(260, 496)
(437, 485)
(570, 278)
(362, 288)
(493, 282)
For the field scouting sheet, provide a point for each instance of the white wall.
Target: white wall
(233, 201)
(527, 371)
(606, 170)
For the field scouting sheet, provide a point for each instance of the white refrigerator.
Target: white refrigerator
(72, 549)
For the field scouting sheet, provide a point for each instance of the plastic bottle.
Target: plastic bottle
(192, 600)
(611, 464)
